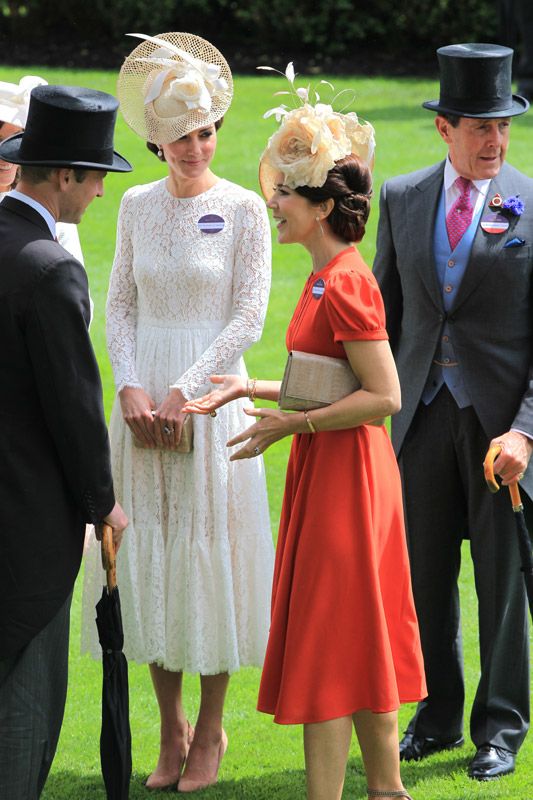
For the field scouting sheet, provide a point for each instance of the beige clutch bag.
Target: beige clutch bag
(185, 443)
(312, 381)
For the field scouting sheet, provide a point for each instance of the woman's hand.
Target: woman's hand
(231, 387)
(272, 426)
(169, 419)
(137, 408)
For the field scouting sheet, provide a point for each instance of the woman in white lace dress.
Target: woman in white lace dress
(188, 295)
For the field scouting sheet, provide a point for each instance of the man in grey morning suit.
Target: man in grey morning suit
(55, 472)
(455, 265)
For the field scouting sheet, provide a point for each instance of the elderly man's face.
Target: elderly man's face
(477, 147)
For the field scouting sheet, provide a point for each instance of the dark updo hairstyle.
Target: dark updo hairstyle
(153, 148)
(349, 185)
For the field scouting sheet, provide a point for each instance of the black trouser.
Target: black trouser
(446, 500)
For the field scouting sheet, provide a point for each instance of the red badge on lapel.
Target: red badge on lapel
(493, 222)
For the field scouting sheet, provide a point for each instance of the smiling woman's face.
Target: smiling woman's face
(189, 157)
(7, 171)
(295, 216)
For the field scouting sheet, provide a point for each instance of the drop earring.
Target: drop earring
(320, 225)
(159, 153)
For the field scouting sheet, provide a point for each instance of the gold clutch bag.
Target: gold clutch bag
(312, 381)
(185, 443)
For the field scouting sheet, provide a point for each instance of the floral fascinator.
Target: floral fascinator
(172, 84)
(15, 99)
(311, 139)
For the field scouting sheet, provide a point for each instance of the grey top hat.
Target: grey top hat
(67, 126)
(475, 81)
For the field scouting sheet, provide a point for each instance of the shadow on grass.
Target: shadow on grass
(283, 785)
(286, 785)
(418, 771)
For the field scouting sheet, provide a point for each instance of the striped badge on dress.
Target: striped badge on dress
(211, 223)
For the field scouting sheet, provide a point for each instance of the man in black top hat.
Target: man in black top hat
(55, 472)
(455, 265)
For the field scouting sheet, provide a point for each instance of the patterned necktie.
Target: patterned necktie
(460, 214)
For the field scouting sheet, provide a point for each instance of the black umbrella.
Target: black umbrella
(115, 736)
(524, 542)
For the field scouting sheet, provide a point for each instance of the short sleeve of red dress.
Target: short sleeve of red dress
(354, 306)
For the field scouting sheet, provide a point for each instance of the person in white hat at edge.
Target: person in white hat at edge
(14, 102)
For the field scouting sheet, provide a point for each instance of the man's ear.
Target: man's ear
(64, 176)
(443, 127)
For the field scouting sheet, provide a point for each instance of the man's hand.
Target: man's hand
(512, 462)
(117, 520)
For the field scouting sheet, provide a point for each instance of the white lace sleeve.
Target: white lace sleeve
(121, 308)
(251, 286)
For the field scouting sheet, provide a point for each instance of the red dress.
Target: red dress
(344, 633)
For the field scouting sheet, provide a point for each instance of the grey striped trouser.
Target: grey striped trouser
(33, 689)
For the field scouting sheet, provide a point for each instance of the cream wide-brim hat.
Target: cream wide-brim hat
(269, 175)
(15, 99)
(138, 74)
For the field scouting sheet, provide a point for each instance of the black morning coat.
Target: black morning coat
(55, 473)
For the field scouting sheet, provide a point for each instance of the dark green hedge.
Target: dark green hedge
(350, 35)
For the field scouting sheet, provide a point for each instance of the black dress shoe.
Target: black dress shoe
(491, 762)
(413, 747)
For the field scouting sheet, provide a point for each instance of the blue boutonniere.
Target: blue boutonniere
(512, 206)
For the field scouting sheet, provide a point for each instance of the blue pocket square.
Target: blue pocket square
(516, 242)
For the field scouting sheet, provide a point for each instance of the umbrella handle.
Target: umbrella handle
(493, 485)
(109, 559)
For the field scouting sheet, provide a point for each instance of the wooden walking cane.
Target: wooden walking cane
(524, 541)
(492, 483)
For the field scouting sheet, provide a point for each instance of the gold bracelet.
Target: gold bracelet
(252, 390)
(310, 425)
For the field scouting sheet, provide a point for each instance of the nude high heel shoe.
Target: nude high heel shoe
(392, 793)
(186, 784)
(170, 782)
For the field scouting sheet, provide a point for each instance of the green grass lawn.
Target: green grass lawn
(263, 761)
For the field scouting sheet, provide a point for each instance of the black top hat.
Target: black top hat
(67, 126)
(475, 81)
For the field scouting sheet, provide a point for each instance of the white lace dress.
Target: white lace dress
(187, 297)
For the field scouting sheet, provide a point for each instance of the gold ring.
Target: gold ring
(520, 476)
(212, 413)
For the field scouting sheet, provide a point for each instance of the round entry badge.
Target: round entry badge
(494, 222)
(211, 223)
(319, 287)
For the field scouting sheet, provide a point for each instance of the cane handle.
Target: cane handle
(109, 560)
(494, 486)
(488, 468)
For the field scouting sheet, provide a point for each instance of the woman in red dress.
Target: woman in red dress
(344, 645)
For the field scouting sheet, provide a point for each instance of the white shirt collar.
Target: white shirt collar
(45, 214)
(451, 174)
